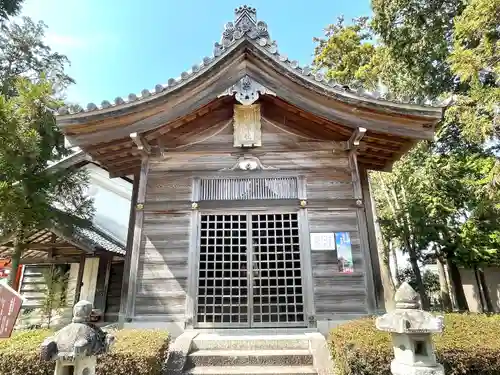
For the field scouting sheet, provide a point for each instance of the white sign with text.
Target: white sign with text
(322, 241)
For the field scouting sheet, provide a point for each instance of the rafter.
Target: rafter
(357, 135)
(141, 143)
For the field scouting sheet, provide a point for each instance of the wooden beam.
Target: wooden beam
(134, 244)
(371, 217)
(356, 137)
(49, 245)
(363, 235)
(128, 251)
(141, 143)
(130, 168)
(55, 260)
(79, 278)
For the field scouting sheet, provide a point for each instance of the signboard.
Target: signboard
(322, 241)
(344, 252)
(10, 305)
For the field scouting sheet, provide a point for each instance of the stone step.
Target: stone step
(290, 357)
(249, 342)
(251, 370)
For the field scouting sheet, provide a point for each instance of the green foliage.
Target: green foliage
(442, 199)
(24, 53)
(429, 279)
(469, 345)
(416, 34)
(344, 50)
(56, 282)
(9, 8)
(32, 197)
(136, 352)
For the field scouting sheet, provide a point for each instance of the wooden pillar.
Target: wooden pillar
(372, 237)
(371, 299)
(102, 282)
(79, 278)
(129, 286)
(193, 260)
(305, 246)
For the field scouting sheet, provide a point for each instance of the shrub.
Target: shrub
(135, 352)
(469, 345)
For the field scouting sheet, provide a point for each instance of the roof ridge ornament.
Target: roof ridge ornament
(245, 23)
(247, 91)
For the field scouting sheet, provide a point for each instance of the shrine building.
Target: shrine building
(251, 205)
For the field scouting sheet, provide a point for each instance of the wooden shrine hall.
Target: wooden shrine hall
(251, 203)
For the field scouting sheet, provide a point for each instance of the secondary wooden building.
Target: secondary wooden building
(251, 203)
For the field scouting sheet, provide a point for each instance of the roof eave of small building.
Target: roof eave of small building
(314, 81)
(257, 37)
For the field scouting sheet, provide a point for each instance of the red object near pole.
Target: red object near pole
(10, 306)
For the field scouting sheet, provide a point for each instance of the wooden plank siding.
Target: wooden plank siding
(163, 261)
(163, 270)
(336, 292)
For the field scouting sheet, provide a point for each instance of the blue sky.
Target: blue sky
(117, 47)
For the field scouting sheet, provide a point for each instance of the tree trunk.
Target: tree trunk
(485, 290)
(14, 264)
(385, 267)
(443, 285)
(418, 279)
(480, 290)
(456, 280)
(396, 265)
(387, 282)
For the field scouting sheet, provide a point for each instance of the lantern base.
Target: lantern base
(398, 368)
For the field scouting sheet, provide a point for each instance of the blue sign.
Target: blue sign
(344, 252)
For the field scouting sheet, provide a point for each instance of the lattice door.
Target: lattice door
(268, 296)
(277, 294)
(222, 277)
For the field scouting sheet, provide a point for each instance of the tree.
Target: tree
(23, 53)
(54, 293)
(31, 196)
(9, 8)
(422, 50)
(430, 280)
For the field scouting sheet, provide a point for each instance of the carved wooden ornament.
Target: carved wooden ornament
(247, 127)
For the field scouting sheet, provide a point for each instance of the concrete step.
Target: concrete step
(251, 370)
(250, 342)
(290, 357)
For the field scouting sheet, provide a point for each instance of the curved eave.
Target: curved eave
(246, 57)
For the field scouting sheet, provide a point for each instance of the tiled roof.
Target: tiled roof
(95, 239)
(246, 26)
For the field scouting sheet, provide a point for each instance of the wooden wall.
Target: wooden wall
(163, 262)
(162, 278)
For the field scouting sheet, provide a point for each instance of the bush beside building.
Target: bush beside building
(135, 352)
(469, 345)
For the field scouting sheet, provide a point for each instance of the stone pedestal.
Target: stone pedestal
(78, 366)
(411, 329)
(75, 347)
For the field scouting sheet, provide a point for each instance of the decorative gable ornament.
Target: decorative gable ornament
(246, 91)
(245, 24)
(247, 127)
(249, 163)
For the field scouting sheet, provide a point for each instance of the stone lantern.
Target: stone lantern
(411, 329)
(75, 347)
